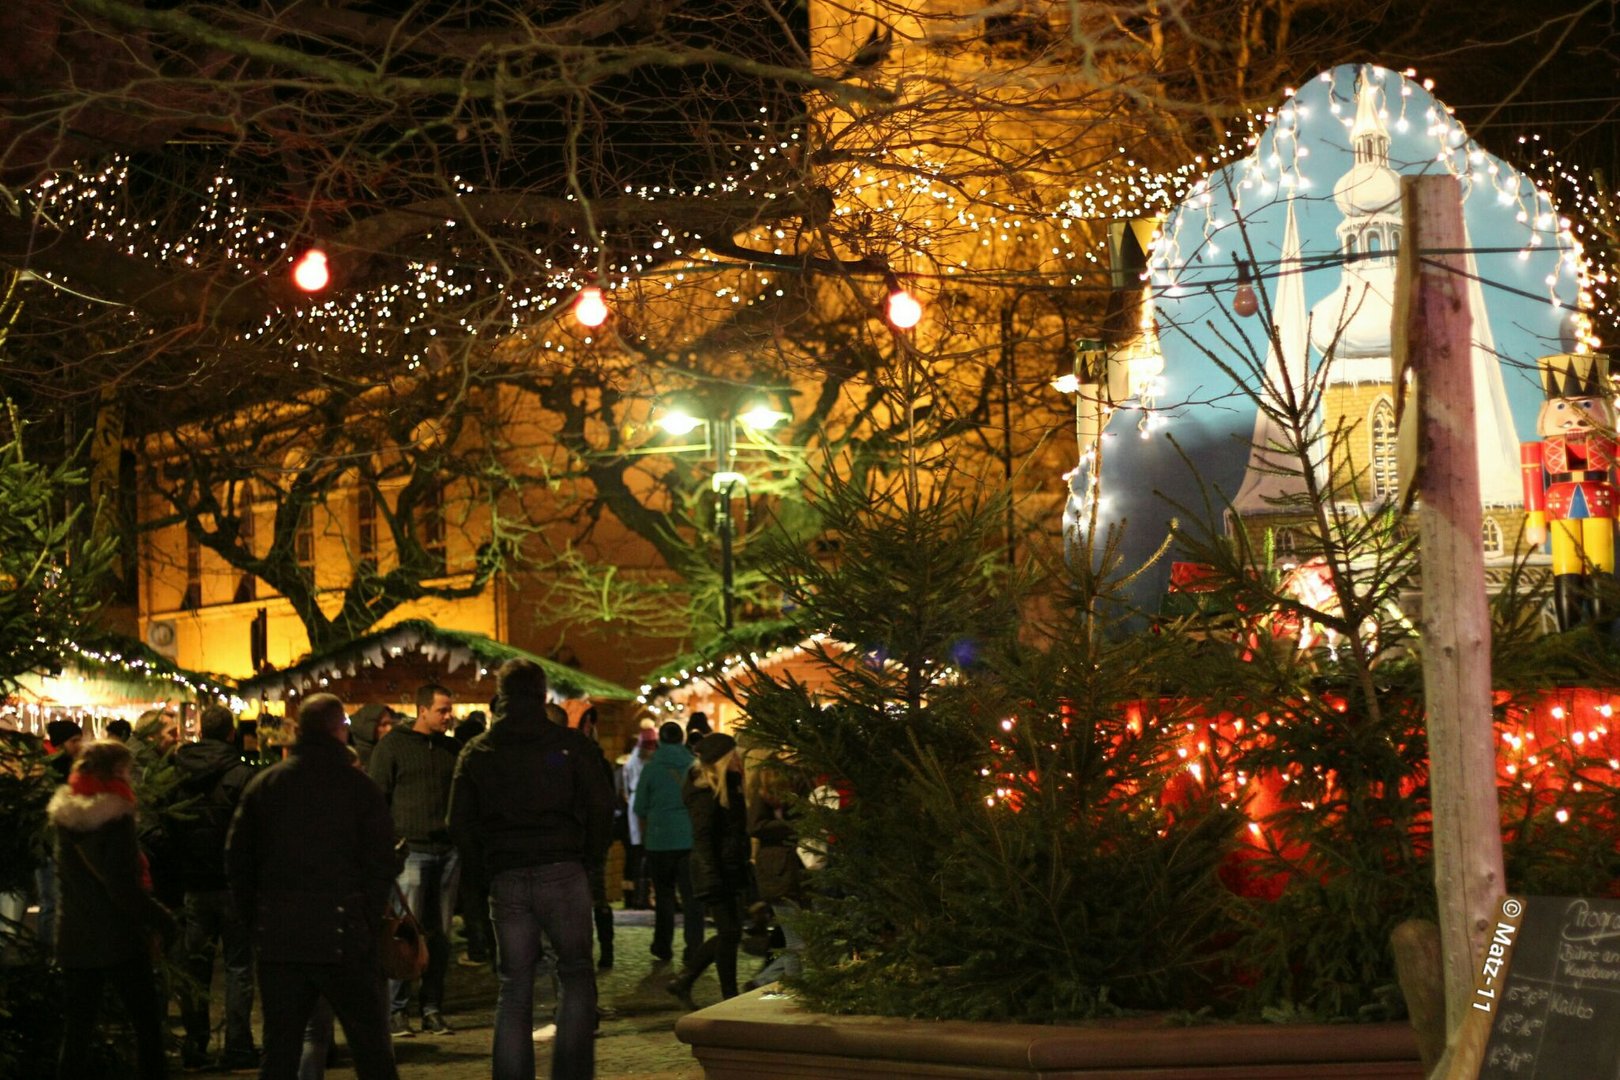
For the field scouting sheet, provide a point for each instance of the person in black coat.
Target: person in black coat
(213, 779)
(530, 809)
(714, 799)
(107, 920)
(310, 860)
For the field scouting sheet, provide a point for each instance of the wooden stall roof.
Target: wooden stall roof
(704, 681)
(388, 665)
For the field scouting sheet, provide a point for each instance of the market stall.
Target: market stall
(386, 667)
(116, 681)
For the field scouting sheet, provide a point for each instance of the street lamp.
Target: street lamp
(753, 414)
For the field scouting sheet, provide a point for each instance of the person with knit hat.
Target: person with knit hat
(62, 741)
(714, 799)
(108, 915)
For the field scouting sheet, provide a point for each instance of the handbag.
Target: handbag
(402, 947)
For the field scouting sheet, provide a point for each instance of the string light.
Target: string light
(589, 307)
(1244, 302)
(904, 311)
(311, 273)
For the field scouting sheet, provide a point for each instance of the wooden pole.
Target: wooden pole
(1432, 335)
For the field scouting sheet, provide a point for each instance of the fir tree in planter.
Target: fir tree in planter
(1001, 849)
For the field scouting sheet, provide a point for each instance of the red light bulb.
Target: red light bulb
(904, 310)
(310, 273)
(589, 308)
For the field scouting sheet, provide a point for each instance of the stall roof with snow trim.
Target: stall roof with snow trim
(705, 681)
(113, 678)
(388, 665)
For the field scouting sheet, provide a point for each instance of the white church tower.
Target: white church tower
(1350, 329)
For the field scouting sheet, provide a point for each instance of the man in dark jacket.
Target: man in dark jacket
(414, 767)
(213, 778)
(311, 864)
(530, 807)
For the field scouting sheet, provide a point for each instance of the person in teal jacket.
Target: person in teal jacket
(666, 834)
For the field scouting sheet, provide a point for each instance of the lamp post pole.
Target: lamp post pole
(725, 482)
(1008, 357)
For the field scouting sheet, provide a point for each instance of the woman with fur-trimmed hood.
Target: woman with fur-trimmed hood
(106, 917)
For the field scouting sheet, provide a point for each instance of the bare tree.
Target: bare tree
(748, 181)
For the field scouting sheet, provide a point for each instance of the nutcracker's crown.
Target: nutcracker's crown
(1567, 375)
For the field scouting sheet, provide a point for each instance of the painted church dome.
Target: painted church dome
(1370, 187)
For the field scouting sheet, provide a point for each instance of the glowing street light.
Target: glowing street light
(752, 414)
(761, 417)
(680, 422)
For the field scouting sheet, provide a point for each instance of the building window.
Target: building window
(1382, 456)
(1491, 533)
(432, 527)
(247, 587)
(1284, 544)
(193, 597)
(365, 532)
(304, 539)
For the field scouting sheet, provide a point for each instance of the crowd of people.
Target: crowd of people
(287, 871)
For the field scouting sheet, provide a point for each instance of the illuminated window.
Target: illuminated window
(1382, 456)
(1491, 533)
(193, 597)
(304, 539)
(247, 587)
(432, 526)
(366, 527)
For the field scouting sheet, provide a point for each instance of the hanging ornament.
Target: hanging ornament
(311, 273)
(589, 307)
(904, 310)
(1244, 302)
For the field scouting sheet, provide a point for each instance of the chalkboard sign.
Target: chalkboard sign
(1551, 980)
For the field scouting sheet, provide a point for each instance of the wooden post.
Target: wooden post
(1432, 335)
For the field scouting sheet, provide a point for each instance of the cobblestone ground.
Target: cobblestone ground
(637, 1040)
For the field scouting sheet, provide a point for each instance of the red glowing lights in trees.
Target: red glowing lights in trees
(904, 310)
(311, 273)
(589, 308)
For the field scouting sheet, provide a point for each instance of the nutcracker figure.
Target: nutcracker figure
(1569, 483)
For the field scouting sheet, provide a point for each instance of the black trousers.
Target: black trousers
(672, 884)
(357, 993)
(721, 950)
(137, 989)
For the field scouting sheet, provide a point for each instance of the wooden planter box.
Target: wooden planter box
(765, 1036)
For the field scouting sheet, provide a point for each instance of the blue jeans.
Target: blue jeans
(210, 917)
(317, 1042)
(429, 883)
(553, 900)
(353, 990)
(788, 962)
